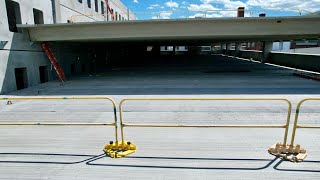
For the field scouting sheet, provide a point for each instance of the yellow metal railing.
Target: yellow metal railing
(10, 99)
(285, 126)
(295, 125)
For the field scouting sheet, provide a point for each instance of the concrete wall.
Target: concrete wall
(16, 50)
(309, 62)
(300, 61)
(255, 55)
(80, 12)
(315, 50)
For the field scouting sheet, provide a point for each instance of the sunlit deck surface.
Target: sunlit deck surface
(55, 152)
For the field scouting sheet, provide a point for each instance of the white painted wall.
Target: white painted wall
(80, 12)
(16, 50)
(26, 8)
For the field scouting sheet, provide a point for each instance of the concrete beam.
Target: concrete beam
(228, 47)
(223, 46)
(237, 49)
(189, 30)
(267, 48)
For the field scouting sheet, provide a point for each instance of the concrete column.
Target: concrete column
(222, 45)
(228, 47)
(237, 49)
(56, 12)
(156, 50)
(267, 48)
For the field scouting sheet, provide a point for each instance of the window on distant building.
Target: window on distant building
(38, 16)
(14, 15)
(119, 17)
(116, 16)
(89, 3)
(80, 1)
(96, 6)
(102, 7)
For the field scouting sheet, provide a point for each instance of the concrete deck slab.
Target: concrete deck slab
(37, 152)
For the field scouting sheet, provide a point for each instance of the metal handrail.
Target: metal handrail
(295, 125)
(63, 124)
(286, 126)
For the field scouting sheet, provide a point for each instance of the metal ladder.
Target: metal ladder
(54, 61)
(110, 10)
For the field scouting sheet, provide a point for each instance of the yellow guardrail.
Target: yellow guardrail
(115, 124)
(285, 126)
(295, 125)
(291, 151)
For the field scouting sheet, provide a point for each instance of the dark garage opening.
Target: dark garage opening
(14, 15)
(73, 69)
(83, 68)
(21, 78)
(43, 72)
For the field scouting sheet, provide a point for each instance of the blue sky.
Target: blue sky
(171, 9)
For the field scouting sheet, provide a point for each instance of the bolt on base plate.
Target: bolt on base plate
(288, 152)
(119, 149)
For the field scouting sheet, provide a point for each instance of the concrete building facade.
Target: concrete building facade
(23, 63)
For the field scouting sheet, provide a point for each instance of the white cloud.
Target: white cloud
(265, 5)
(135, 1)
(308, 5)
(228, 4)
(201, 15)
(201, 7)
(234, 5)
(153, 6)
(228, 13)
(172, 4)
(212, 12)
(163, 15)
